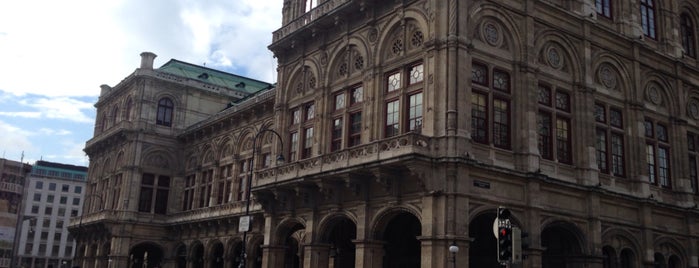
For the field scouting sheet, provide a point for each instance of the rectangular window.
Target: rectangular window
(356, 95)
(479, 119)
(618, 154)
(355, 129)
(648, 18)
(393, 82)
(154, 193)
(545, 134)
(601, 148)
(604, 8)
(415, 111)
(63, 200)
(65, 188)
(657, 153)
(392, 126)
(295, 116)
(340, 101)
(336, 143)
(307, 142)
(650, 160)
(293, 146)
(78, 189)
(37, 197)
(49, 198)
(563, 145)
(416, 73)
(501, 123)
(76, 201)
(310, 111)
(52, 186)
(664, 166)
(693, 172)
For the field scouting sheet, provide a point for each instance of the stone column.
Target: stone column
(316, 256)
(369, 254)
(272, 256)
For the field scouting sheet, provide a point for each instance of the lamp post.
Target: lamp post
(244, 223)
(453, 248)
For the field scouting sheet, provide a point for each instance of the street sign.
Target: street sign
(244, 224)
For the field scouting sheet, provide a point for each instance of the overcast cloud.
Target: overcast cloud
(55, 54)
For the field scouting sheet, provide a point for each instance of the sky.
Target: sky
(54, 55)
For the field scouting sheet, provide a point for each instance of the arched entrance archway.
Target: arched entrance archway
(181, 255)
(146, 255)
(197, 258)
(482, 251)
(216, 257)
(292, 238)
(402, 249)
(237, 248)
(563, 247)
(340, 234)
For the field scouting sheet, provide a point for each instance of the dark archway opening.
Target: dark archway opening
(235, 255)
(608, 257)
(402, 249)
(627, 259)
(482, 251)
(562, 248)
(146, 256)
(342, 249)
(216, 256)
(197, 256)
(181, 256)
(291, 237)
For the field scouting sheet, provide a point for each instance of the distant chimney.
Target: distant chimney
(147, 60)
(105, 89)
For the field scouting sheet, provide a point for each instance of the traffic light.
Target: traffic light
(503, 214)
(504, 243)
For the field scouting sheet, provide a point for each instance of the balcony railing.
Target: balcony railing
(307, 18)
(410, 143)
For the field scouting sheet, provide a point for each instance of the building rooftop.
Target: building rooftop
(212, 76)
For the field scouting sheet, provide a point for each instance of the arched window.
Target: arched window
(127, 110)
(115, 115)
(165, 108)
(687, 35)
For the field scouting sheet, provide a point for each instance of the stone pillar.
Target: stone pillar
(369, 254)
(316, 256)
(272, 256)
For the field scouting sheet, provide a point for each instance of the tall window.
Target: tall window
(553, 125)
(490, 106)
(302, 120)
(347, 108)
(310, 4)
(115, 115)
(604, 8)
(154, 194)
(205, 187)
(242, 179)
(648, 18)
(403, 100)
(127, 111)
(189, 186)
(116, 191)
(610, 139)
(165, 109)
(692, 144)
(224, 184)
(657, 153)
(687, 35)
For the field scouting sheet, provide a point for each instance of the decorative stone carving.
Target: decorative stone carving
(693, 108)
(553, 57)
(491, 34)
(373, 34)
(607, 76)
(653, 95)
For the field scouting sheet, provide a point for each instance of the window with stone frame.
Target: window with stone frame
(127, 109)
(648, 21)
(490, 106)
(165, 112)
(693, 150)
(242, 181)
(554, 124)
(403, 100)
(310, 4)
(224, 184)
(154, 193)
(346, 118)
(687, 35)
(205, 187)
(657, 152)
(115, 115)
(609, 136)
(302, 121)
(116, 191)
(604, 8)
(188, 194)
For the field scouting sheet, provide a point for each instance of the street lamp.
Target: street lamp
(244, 223)
(453, 248)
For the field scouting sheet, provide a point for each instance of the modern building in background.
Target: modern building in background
(54, 193)
(12, 174)
(404, 126)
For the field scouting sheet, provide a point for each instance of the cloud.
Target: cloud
(54, 132)
(15, 140)
(22, 114)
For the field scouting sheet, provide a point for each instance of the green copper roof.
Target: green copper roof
(212, 76)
